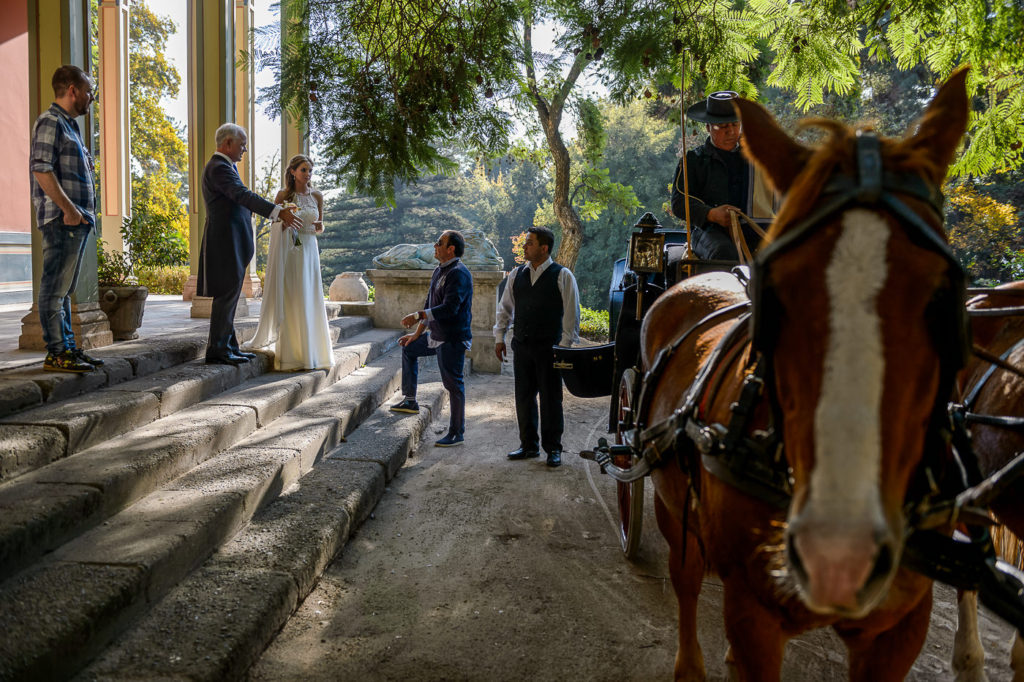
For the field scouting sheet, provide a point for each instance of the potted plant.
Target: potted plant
(121, 296)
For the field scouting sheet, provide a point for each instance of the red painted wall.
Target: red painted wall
(15, 128)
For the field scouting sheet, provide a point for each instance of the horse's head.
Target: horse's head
(857, 304)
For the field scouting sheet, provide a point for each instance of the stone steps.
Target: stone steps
(125, 521)
(210, 626)
(43, 509)
(26, 387)
(35, 437)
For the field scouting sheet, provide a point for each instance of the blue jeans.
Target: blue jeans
(451, 356)
(63, 248)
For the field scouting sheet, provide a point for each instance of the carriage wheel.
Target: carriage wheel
(630, 495)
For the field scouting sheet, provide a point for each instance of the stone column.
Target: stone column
(113, 108)
(211, 102)
(245, 116)
(399, 292)
(59, 34)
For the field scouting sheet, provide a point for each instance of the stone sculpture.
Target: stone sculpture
(480, 255)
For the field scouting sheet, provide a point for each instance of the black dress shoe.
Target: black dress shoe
(247, 356)
(523, 453)
(555, 458)
(233, 360)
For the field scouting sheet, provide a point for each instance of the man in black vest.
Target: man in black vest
(543, 305)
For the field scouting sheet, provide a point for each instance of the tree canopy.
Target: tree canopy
(385, 84)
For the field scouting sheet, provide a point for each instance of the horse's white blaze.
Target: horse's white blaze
(847, 421)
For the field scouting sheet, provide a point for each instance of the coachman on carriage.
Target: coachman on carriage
(795, 417)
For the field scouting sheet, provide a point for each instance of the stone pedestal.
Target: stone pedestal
(201, 306)
(190, 287)
(90, 324)
(400, 292)
(251, 287)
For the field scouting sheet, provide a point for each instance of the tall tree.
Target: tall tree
(158, 149)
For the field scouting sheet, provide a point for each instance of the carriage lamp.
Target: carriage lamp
(647, 249)
(646, 254)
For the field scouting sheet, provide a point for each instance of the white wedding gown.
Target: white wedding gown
(293, 315)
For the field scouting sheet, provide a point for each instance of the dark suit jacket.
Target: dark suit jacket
(450, 302)
(227, 237)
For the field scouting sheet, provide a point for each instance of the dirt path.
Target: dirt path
(477, 568)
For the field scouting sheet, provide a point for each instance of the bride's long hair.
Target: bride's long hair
(289, 179)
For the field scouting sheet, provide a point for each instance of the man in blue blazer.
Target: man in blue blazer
(446, 319)
(227, 241)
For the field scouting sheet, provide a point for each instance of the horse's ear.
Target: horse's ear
(768, 145)
(943, 123)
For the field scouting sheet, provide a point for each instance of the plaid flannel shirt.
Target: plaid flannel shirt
(57, 148)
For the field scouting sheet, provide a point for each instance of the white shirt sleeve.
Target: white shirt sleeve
(570, 308)
(503, 312)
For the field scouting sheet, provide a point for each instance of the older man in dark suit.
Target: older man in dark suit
(228, 242)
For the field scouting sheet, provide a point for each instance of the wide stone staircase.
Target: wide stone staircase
(162, 518)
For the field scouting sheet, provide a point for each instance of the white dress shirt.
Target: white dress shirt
(570, 303)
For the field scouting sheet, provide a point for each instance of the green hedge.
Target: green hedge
(163, 279)
(594, 325)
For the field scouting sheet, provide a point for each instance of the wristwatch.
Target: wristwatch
(421, 315)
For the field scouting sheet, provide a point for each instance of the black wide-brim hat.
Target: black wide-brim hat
(717, 108)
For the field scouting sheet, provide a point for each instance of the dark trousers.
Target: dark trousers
(714, 242)
(451, 357)
(534, 376)
(222, 340)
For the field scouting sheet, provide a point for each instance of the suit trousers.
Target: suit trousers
(222, 341)
(535, 377)
(451, 357)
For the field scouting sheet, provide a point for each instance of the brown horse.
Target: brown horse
(990, 391)
(852, 308)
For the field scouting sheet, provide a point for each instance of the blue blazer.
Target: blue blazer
(450, 302)
(227, 236)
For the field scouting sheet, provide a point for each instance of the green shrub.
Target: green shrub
(594, 325)
(163, 279)
(153, 239)
(113, 268)
(370, 286)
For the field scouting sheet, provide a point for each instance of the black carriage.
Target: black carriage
(657, 258)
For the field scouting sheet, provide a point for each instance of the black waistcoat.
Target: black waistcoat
(538, 307)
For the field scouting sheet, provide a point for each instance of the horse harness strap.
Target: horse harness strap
(661, 438)
(752, 463)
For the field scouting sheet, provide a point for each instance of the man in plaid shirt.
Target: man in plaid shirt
(65, 200)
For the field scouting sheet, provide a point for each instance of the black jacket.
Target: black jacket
(450, 302)
(227, 236)
(708, 182)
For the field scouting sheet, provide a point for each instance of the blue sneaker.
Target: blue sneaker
(450, 441)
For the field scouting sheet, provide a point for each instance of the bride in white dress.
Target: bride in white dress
(293, 316)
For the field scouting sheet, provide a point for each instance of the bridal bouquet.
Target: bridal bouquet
(294, 232)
